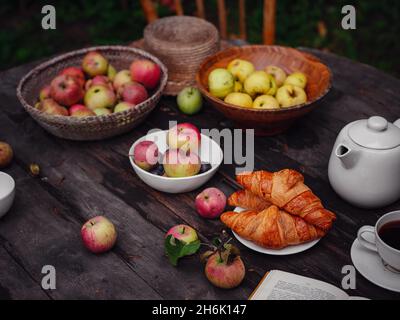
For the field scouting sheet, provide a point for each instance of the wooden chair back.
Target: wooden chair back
(269, 13)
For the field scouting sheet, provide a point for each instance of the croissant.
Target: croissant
(286, 189)
(248, 200)
(271, 228)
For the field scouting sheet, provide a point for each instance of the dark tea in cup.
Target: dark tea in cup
(390, 234)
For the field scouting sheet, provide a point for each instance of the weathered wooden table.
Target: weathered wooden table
(81, 179)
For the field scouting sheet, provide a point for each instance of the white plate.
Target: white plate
(370, 265)
(277, 252)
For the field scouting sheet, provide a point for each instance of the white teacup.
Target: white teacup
(7, 192)
(389, 255)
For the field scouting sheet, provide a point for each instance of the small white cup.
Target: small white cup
(7, 193)
(389, 255)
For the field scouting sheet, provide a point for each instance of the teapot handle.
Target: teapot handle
(397, 123)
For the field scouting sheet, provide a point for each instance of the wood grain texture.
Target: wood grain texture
(269, 21)
(81, 179)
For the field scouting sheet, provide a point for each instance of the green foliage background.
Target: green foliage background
(88, 22)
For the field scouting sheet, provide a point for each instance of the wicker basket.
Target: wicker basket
(93, 127)
(181, 43)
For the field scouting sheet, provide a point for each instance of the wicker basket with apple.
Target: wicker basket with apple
(93, 93)
(263, 87)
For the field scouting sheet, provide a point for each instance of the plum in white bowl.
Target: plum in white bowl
(210, 155)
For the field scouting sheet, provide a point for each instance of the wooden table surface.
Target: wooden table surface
(79, 180)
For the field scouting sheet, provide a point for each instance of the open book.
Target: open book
(280, 285)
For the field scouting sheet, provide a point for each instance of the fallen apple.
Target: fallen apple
(94, 64)
(6, 154)
(210, 203)
(76, 73)
(239, 99)
(145, 155)
(98, 234)
(99, 96)
(185, 136)
(189, 100)
(181, 241)
(265, 102)
(278, 73)
(178, 163)
(133, 93)
(221, 83)
(123, 106)
(51, 107)
(121, 78)
(257, 83)
(297, 79)
(240, 69)
(66, 90)
(145, 72)
(289, 96)
(80, 111)
(183, 233)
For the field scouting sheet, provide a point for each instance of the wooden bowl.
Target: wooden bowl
(268, 122)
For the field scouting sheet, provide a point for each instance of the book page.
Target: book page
(280, 285)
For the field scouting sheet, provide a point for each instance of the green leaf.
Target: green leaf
(176, 249)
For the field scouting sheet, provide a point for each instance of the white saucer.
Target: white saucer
(370, 265)
(277, 252)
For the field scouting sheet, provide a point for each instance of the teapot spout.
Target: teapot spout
(346, 155)
(397, 123)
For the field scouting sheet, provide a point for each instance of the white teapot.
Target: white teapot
(364, 167)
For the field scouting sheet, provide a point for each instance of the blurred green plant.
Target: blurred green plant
(315, 23)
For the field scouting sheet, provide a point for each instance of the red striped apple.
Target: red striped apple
(210, 203)
(132, 92)
(50, 106)
(95, 64)
(66, 90)
(183, 233)
(76, 73)
(184, 136)
(146, 72)
(80, 111)
(121, 78)
(145, 155)
(99, 96)
(98, 234)
(178, 163)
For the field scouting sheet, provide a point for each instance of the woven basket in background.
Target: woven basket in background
(93, 127)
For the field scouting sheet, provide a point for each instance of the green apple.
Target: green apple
(239, 99)
(123, 106)
(289, 96)
(297, 79)
(274, 87)
(189, 100)
(101, 111)
(265, 102)
(278, 73)
(99, 96)
(240, 69)
(259, 82)
(221, 83)
(111, 72)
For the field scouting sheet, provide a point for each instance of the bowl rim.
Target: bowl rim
(208, 96)
(162, 178)
(75, 120)
(11, 179)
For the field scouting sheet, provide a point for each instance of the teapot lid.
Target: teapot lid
(375, 133)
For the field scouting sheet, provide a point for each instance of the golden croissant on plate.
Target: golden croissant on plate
(286, 190)
(271, 228)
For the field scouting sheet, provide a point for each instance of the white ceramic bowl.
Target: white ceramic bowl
(7, 193)
(210, 152)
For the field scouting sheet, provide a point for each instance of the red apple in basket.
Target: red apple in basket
(145, 155)
(178, 163)
(132, 92)
(98, 234)
(51, 107)
(95, 64)
(121, 78)
(76, 73)
(98, 81)
(66, 90)
(99, 96)
(146, 72)
(183, 233)
(45, 93)
(210, 203)
(185, 136)
(80, 111)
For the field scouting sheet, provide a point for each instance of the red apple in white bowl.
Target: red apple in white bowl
(185, 136)
(66, 90)
(80, 111)
(99, 96)
(95, 64)
(210, 203)
(121, 78)
(99, 234)
(183, 233)
(146, 72)
(76, 73)
(132, 92)
(178, 163)
(145, 155)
